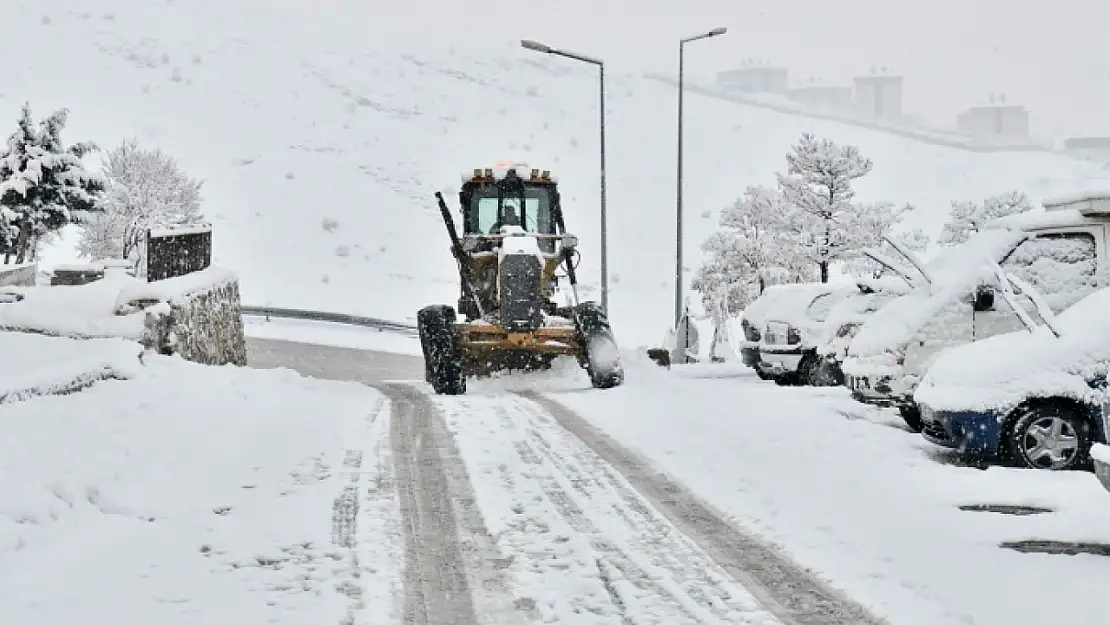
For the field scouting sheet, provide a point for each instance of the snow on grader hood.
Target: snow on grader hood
(513, 244)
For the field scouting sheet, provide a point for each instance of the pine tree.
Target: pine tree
(818, 188)
(967, 217)
(43, 184)
(750, 252)
(872, 222)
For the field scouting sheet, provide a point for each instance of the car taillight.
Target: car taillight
(793, 337)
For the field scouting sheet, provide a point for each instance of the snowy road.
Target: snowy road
(514, 509)
(333, 363)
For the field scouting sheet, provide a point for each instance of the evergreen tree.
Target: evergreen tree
(967, 217)
(43, 183)
(818, 187)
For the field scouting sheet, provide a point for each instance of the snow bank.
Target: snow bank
(1100, 453)
(999, 372)
(954, 271)
(32, 364)
(88, 310)
(849, 494)
(173, 291)
(196, 495)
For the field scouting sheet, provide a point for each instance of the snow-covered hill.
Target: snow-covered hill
(296, 117)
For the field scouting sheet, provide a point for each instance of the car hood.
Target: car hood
(999, 372)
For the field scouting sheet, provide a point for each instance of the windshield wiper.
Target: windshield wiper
(1004, 282)
(910, 256)
(890, 264)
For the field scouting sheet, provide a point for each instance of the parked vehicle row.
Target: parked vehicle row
(998, 347)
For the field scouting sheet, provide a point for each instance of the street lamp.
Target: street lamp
(678, 225)
(539, 47)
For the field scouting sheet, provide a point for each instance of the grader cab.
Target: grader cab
(512, 246)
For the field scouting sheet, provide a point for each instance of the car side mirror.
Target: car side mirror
(983, 299)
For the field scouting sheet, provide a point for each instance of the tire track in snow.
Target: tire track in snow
(654, 574)
(346, 509)
(794, 595)
(444, 536)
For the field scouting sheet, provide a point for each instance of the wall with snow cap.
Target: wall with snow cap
(196, 316)
(18, 275)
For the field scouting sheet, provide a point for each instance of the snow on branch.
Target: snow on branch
(817, 186)
(967, 217)
(146, 190)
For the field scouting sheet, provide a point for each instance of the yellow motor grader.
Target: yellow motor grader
(512, 245)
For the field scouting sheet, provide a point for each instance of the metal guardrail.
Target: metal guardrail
(382, 325)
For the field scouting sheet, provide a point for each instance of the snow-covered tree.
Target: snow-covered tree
(145, 189)
(43, 183)
(873, 221)
(748, 253)
(817, 186)
(967, 217)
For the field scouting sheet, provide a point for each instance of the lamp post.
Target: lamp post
(539, 47)
(678, 307)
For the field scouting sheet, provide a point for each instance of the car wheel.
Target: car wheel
(763, 375)
(1050, 436)
(912, 416)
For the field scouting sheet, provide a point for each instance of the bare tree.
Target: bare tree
(146, 189)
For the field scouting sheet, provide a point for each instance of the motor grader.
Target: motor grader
(512, 246)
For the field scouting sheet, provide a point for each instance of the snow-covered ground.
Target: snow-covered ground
(321, 140)
(33, 364)
(191, 494)
(845, 490)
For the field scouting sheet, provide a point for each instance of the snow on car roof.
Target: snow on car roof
(860, 305)
(782, 295)
(999, 372)
(954, 271)
(1037, 220)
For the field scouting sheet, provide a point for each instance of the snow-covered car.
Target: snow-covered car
(1061, 252)
(754, 317)
(1100, 454)
(846, 318)
(794, 327)
(1037, 398)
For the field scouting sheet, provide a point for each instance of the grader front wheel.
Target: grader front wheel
(601, 359)
(442, 358)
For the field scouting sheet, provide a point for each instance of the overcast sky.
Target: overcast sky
(1053, 57)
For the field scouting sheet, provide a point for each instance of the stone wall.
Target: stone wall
(196, 316)
(18, 275)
